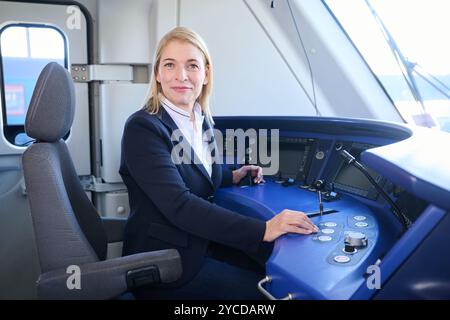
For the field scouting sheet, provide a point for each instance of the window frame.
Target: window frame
(10, 132)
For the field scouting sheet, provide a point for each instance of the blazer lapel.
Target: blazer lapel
(216, 175)
(167, 120)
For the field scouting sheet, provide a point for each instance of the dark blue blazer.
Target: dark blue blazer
(171, 203)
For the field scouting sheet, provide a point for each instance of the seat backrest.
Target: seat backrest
(67, 227)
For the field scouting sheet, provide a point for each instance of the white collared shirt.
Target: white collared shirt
(192, 132)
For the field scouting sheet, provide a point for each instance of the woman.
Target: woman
(171, 204)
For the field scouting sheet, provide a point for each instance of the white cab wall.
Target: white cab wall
(250, 75)
(260, 65)
(125, 38)
(124, 31)
(117, 102)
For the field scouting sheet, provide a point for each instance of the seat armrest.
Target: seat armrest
(108, 279)
(114, 228)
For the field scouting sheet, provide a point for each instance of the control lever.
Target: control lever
(319, 185)
(247, 180)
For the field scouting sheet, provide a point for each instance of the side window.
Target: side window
(24, 51)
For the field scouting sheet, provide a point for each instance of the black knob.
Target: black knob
(319, 185)
(349, 249)
(355, 239)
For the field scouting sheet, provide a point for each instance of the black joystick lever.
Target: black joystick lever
(319, 185)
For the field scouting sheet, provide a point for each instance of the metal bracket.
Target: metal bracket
(97, 72)
(80, 73)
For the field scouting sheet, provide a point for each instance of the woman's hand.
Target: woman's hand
(288, 221)
(256, 172)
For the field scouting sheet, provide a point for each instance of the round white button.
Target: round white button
(327, 231)
(330, 224)
(359, 218)
(325, 238)
(341, 259)
(361, 224)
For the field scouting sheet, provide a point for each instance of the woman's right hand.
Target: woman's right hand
(288, 221)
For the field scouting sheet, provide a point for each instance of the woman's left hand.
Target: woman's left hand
(256, 173)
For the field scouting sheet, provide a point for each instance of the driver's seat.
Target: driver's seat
(70, 235)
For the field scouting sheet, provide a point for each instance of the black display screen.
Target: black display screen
(291, 159)
(349, 176)
(292, 156)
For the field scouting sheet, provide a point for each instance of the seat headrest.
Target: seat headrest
(52, 107)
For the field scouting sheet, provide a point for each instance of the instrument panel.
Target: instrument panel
(304, 160)
(360, 232)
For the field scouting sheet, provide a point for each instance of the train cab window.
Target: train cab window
(24, 51)
(404, 43)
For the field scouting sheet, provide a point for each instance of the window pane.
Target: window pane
(14, 42)
(418, 28)
(46, 43)
(21, 69)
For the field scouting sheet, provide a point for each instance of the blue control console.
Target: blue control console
(320, 267)
(363, 250)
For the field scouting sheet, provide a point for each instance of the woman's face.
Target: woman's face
(182, 73)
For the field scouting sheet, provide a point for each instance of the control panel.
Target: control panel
(378, 207)
(347, 242)
(318, 177)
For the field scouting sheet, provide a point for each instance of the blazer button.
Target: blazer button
(210, 199)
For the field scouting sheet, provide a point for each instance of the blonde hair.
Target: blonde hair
(153, 101)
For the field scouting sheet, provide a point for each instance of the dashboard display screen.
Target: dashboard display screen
(352, 180)
(294, 158)
(291, 157)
